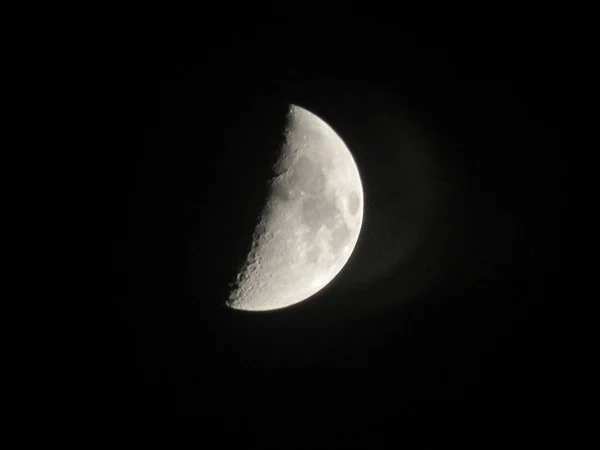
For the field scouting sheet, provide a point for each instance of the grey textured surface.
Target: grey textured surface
(311, 222)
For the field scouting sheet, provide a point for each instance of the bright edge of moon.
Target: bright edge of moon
(310, 224)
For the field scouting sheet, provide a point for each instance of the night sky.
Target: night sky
(444, 311)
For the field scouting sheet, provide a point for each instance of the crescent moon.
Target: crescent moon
(310, 224)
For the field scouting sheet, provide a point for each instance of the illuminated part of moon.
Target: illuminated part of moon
(311, 221)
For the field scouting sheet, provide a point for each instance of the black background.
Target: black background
(444, 312)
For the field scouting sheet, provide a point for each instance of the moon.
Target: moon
(310, 224)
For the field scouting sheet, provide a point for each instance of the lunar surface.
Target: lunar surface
(311, 221)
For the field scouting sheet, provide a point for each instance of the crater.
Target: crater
(307, 176)
(281, 190)
(340, 237)
(313, 254)
(285, 161)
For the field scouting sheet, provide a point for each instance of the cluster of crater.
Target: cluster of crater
(306, 182)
